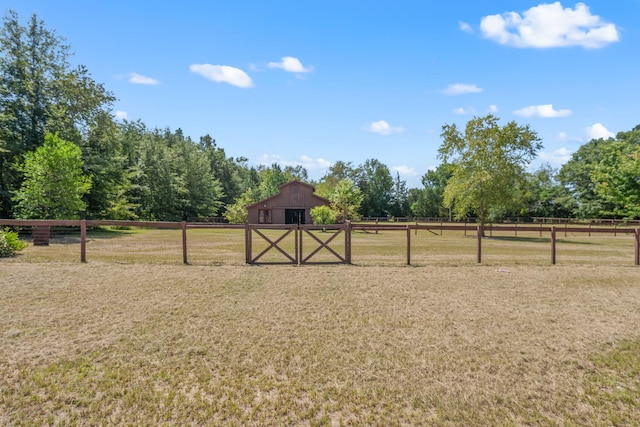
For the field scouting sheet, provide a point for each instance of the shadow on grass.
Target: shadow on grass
(538, 240)
(109, 232)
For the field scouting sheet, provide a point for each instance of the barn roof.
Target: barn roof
(286, 184)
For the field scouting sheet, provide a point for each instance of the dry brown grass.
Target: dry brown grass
(111, 343)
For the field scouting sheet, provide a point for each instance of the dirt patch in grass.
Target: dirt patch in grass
(279, 345)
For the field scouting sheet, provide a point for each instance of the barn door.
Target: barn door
(294, 216)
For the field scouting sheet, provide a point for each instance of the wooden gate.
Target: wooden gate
(279, 239)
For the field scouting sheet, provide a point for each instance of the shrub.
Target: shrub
(10, 243)
(323, 215)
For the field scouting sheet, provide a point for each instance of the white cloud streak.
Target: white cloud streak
(223, 74)
(139, 79)
(381, 127)
(461, 89)
(550, 26)
(465, 27)
(122, 115)
(598, 131)
(290, 64)
(404, 170)
(556, 157)
(544, 111)
(309, 163)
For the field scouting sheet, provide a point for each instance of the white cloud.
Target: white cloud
(309, 163)
(290, 64)
(556, 157)
(465, 27)
(404, 170)
(223, 74)
(548, 26)
(598, 131)
(122, 115)
(460, 111)
(461, 88)
(139, 79)
(564, 136)
(313, 164)
(493, 108)
(545, 111)
(381, 127)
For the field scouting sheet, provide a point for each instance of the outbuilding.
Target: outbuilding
(292, 205)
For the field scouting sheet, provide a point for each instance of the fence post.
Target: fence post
(408, 245)
(83, 240)
(553, 245)
(637, 246)
(298, 245)
(480, 232)
(347, 242)
(247, 243)
(184, 242)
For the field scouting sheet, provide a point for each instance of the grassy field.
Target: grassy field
(137, 338)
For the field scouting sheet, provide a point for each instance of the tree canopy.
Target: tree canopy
(488, 161)
(54, 182)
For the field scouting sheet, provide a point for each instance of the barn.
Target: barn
(292, 205)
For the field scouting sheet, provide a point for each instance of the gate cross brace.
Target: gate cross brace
(274, 244)
(323, 245)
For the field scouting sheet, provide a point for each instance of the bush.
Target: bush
(10, 243)
(323, 215)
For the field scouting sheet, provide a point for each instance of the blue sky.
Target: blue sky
(312, 83)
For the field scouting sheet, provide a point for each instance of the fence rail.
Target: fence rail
(298, 258)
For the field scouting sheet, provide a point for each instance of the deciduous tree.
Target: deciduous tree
(617, 179)
(488, 162)
(54, 182)
(346, 199)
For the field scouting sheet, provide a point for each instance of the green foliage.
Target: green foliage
(346, 200)
(54, 182)
(617, 179)
(10, 243)
(173, 179)
(323, 215)
(39, 93)
(545, 196)
(428, 202)
(376, 185)
(336, 172)
(104, 153)
(576, 176)
(398, 202)
(488, 163)
(234, 175)
(602, 177)
(237, 213)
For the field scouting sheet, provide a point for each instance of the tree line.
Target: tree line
(63, 154)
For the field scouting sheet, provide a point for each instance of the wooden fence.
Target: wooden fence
(304, 232)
